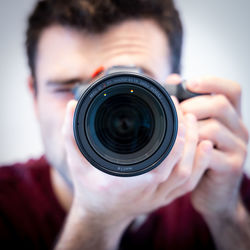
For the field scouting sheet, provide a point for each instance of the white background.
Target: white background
(217, 42)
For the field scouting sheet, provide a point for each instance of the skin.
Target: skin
(213, 174)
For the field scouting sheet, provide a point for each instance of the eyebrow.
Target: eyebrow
(66, 82)
(70, 81)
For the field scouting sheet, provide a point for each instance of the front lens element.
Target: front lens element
(124, 123)
(125, 126)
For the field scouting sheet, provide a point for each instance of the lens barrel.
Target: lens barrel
(125, 124)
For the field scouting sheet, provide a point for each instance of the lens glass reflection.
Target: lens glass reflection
(123, 126)
(124, 123)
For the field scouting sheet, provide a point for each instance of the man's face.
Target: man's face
(67, 56)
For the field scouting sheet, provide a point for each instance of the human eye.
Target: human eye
(62, 88)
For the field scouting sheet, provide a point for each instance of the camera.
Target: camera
(125, 122)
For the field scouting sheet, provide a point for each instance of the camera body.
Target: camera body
(125, 123)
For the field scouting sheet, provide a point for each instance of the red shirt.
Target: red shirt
(32, 218)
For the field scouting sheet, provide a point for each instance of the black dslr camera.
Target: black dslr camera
(125, 123)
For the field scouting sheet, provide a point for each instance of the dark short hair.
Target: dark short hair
(95, 16)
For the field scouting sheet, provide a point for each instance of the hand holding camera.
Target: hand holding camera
(219, 121)
(113, 199)
(180, 172)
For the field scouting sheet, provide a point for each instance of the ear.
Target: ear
(32, 90)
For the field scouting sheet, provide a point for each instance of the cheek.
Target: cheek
(51, 119)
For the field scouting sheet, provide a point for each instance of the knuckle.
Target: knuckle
(222, 103)
(183, 174)
(210, 129)
(237, 163)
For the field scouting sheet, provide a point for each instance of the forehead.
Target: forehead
(66, 52)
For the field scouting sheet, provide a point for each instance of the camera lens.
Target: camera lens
(121, 125)
(125, 124)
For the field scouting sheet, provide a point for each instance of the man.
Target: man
(195, 199)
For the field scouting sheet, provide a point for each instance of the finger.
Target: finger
(201, 163)
(222, 162)
(215, 85)
(174, 79)
(220, 135)
(67, 128)
(186, 162)
(178, 110)
(183, 168)
(162, 172)
(217, 107)
(73, 153)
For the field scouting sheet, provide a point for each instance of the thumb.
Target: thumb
(75, 158)
(67, 128)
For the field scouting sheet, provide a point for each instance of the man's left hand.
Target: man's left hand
(220, 121)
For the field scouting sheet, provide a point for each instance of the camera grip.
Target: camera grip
(180, 91)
